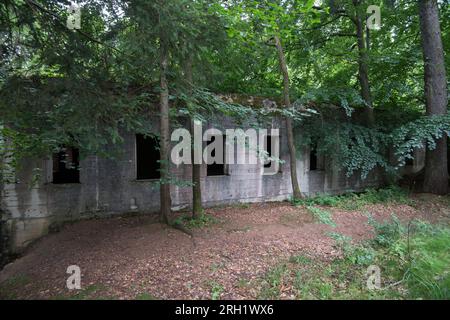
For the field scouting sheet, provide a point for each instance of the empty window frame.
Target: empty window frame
(66, 166)
(216, 169)
(268, 163)
(316, 161)
(147, 158)
(409, 162)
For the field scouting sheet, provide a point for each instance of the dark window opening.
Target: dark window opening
(268, 164)
(66, 165)
(147, 158)
(316, 161)
(216, 169)
(409, 162)
(313, 161)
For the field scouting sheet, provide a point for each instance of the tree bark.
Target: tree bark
(436, 170)
(196, 168)
(363, 69)
(197, 208)
(165, 135)
(289, 127)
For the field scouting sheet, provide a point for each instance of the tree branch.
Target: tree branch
(35, 5)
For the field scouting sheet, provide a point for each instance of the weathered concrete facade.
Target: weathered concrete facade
(111, 187)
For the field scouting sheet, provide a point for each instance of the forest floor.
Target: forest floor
(235, 253)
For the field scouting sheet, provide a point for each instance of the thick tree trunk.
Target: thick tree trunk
(363, 69)
(436, 171)
(289, 126)
(165, 136)
(196, 168)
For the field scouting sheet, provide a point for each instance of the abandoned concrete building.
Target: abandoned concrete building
(71, 189)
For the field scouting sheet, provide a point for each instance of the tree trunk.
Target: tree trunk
(436, 171)
(363, 69)
(196, 184)
(196, 168)
(165, 135)
(289, 126)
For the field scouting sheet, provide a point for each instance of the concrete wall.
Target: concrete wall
(110, 187)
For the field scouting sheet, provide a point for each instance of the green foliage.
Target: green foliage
(83, 87)
(429, 271)
(216, 290)
(355, 254)
(323, 216)
(415, 256)
(300, 259)
(49, 113)
(317, 279)
(145, 296)
(418, 134)
(357, 149)
(414, 264)
(202, 221)
(342, 241)
(272, 282)
(12, 285)
(346, 98)
(418, 255)
(387, 232)
(356, 201)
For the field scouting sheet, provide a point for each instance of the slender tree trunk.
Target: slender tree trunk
(436, 170)
(165, 135)
(363, 69)
(196, 168)
(289, 126)
(196, 184)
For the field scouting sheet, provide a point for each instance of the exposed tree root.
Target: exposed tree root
(180, 227)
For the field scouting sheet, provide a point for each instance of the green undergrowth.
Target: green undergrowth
(356, 201)
(413, 259)
(9, 287)
(323, 216)
(202, 221)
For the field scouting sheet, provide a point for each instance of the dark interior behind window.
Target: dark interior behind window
(147, 157)
(269, 151)
(66, 165)
(216, 169)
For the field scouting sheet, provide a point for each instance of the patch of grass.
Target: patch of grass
(271, 287)
(145, 296)
(202, 221)
(242, 205)
(387, 232)
(243, 283)
(216, 290)
(429, 272)
(355, 201)
(414, 261)
(323, 216)
(11, 285)
(300, 259)
(418, 255)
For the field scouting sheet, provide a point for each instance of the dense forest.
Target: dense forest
(364, 82)
(79, 86)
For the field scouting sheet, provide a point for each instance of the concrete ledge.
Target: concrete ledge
(26, 231)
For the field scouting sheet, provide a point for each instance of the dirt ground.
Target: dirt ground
(135, 257)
